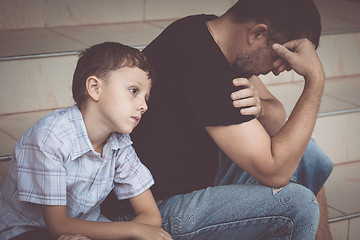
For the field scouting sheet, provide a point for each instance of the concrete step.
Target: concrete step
(38, 52)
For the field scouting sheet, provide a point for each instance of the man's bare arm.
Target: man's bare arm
(255, 99)
(274, 160)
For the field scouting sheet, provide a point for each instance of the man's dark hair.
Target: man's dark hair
(286, 19)
(102, 58)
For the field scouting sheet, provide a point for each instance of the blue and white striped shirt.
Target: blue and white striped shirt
(55, 164)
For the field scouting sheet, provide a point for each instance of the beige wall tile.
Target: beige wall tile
(19, 14)
(333, 213)
(7, 142)
(162, 23)
(332, 25)
(354, 232)
(132, 34)
(343, 188)
(339, 230)
(339, 136)
(37, 84)
(24, 42)
(15, 125)
(288, 94)
(82, 12)
(170, 9)
(4, 166)
(347, 89)
(340, 54)
(347, 10)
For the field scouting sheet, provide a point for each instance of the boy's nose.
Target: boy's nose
(143, 107)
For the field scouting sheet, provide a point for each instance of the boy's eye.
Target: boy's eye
(134, 90)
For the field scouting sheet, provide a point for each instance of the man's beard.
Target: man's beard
(245, 62)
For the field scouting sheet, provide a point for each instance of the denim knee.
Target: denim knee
(304, 212)
(246, 210)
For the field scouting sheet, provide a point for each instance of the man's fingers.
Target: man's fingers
(237, 82)
(247, 102)
(243, 93)
(250, 111)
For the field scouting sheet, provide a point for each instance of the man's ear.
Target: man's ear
(259, 31)
(93, 87)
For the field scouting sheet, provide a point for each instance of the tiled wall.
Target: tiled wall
(23, 14)
(39, 84)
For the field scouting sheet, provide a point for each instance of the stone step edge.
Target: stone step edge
(47, 55)
(344, 217)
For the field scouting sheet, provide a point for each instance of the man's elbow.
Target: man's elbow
(274, 178)
(277, 182)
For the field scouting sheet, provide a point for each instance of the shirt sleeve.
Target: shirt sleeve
(131, 177)
(208, 93)
(41, 176)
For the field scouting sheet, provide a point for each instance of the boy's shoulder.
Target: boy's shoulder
(55, 122)
(59, 127)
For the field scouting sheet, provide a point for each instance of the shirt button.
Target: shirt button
(90, 196)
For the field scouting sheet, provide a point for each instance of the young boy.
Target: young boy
(69, 161)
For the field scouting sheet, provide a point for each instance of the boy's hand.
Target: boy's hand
(246, 98)
(73, 237)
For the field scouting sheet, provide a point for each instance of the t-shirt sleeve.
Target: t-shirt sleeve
(41, 175)
(131, 177)
(208, 94)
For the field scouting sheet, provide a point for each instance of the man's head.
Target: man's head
(267, 22)
(286, 19)
(100, 60)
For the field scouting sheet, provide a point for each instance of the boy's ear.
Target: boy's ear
(259, 31)
(93, 87)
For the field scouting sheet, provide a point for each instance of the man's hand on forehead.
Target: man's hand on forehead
(279, 65)
(300, 55)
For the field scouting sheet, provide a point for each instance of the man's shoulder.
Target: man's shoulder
(200, 18)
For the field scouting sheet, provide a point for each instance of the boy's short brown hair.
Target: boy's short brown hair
(102, 58)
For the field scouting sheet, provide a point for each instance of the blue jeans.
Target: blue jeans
(238, 207)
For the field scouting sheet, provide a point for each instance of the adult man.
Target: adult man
(191, 117)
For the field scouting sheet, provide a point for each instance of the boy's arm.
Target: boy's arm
(59, 223)
(146, 209)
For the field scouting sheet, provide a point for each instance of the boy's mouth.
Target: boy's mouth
(136, 119)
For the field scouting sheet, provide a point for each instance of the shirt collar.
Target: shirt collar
(118, 140)
(82, 142)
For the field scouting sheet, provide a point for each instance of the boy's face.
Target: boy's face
(123, 99)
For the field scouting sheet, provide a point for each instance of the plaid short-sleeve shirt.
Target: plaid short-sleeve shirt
(55, 164)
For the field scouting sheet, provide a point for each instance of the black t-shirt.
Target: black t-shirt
(193, 83)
